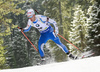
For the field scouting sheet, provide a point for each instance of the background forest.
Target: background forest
(78, 22)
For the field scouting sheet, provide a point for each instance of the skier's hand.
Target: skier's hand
(56, 32)
(20, 29)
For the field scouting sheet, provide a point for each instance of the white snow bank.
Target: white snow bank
(83, 65)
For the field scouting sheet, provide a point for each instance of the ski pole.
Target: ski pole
(69, 42)
(29, 40)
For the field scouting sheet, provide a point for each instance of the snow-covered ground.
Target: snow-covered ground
(91, 64)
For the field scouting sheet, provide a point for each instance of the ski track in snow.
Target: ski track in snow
(91, 64)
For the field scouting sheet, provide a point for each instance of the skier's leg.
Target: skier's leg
(43, 39)
(41, 44)
(40, 47)
(61, 45)
(58, 42)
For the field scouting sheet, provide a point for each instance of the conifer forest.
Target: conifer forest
(78, 22)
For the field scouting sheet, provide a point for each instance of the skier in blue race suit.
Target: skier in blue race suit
(42, 23)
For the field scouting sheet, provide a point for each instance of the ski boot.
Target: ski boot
(71, 56)
(43, 61)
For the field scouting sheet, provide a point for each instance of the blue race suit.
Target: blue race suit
(46, 32)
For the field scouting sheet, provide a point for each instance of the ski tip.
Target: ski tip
(83, 56)
(93, 53)
(87, 55)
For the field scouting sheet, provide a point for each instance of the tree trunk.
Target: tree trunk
(60, 16)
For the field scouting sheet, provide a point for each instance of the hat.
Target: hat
(30, 12)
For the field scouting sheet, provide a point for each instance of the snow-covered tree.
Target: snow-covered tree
(20, 52)
(94, 27)
(79, 29)
(17, 52)
(6, 25)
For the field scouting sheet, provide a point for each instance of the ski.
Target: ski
(41, 63)
(87, 55)
(44, 61)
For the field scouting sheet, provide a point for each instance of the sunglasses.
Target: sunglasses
(30, 17)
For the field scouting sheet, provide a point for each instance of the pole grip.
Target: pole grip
(18, 27)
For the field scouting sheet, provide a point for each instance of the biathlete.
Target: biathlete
(42, 23)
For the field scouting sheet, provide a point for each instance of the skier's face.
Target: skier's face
(32, 18)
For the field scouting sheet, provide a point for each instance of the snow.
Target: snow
(82, 65)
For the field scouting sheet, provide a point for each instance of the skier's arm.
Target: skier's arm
(28, 27)
(51, 21)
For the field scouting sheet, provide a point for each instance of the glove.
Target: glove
(56, 31)
(20, 29)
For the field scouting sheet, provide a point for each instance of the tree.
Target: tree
(79, 29)
(2, 56)
(6, 7)
(94, 28)
(20, 52)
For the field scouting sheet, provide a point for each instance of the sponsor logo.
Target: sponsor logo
(39, 28)
(37, 25)
(29, 13)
